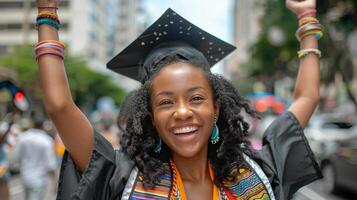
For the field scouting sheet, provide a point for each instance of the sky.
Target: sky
(214, 16)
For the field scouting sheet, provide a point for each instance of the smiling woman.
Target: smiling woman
(183, 113)
(185, 135)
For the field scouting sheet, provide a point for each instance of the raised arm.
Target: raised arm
(72, 125)
(306, 93)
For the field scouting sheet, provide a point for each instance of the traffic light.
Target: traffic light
(18, 95)
(20, 101)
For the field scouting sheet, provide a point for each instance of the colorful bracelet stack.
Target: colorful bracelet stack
(49, 18)
(308, 26)
(49, 47)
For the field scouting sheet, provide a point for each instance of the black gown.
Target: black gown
(286, 159)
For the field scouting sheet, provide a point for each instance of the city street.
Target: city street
(247, 90)
(17, 192)
(315, 191)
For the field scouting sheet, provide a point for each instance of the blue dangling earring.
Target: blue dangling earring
(158, 146)
(215, 133)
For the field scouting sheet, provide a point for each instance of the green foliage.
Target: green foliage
(269, 60)
(244, 86)
(86, 85)
(22, 60)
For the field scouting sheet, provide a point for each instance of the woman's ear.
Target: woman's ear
(217, 107)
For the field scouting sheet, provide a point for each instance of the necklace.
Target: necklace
(178, 184)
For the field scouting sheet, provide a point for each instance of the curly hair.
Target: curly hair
(140, 135)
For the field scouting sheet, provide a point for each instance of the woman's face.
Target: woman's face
(183, 109)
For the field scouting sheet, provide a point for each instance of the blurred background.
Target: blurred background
(263, 69)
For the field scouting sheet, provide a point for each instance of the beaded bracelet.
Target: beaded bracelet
(306, 20)
(49, 44)
(49, 52)
(51, 41)
(48, 21)
(306, 28)
(303, 53)
(49, 47)
(50, 15)
(317, 33)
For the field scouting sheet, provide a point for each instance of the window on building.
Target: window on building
(93, 17)
(92, 35)
(14, 26)
(14, 4)
(10, 4)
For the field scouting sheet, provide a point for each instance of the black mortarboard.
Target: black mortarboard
(170, 28)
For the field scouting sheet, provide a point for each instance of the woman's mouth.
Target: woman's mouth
(186, 134)
(185, 130)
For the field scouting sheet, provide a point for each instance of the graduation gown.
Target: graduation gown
(286, 159)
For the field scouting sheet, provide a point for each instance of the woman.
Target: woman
(184, 136)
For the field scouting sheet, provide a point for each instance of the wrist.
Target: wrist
(309, 41)
(311, 15)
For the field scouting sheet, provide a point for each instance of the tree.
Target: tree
(271, 60)
(86, 85)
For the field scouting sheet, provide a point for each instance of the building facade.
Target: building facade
(132, 20)
(86, 27)
(246, 28)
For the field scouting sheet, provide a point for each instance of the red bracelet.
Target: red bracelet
(306, 12)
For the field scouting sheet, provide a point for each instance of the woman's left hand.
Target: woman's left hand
(298, 6)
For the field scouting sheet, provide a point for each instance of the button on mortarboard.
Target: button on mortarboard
(168, 28)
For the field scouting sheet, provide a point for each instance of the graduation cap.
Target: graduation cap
(168, 29)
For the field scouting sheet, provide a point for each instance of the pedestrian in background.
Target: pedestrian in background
(4, 172)
(108, 130)
(185, 137)
(35, 155)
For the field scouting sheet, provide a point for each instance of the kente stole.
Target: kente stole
(246, 186)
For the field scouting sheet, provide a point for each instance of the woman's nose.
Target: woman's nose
(183, 111)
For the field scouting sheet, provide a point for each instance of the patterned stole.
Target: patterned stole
(246, 186)
(161, 191)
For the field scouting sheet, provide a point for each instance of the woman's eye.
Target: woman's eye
(164, 102)
(197, 99)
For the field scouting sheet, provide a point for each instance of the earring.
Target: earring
(158, 146)
(215, 133)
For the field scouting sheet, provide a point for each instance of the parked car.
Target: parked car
(334, 141)
(324, 132)
(340, 168)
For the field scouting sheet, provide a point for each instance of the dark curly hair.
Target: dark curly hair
(140, 135)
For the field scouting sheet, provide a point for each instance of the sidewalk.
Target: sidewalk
(17, 191)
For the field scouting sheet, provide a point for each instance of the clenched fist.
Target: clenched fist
(298, 6)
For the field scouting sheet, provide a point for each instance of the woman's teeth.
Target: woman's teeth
(183, 130)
